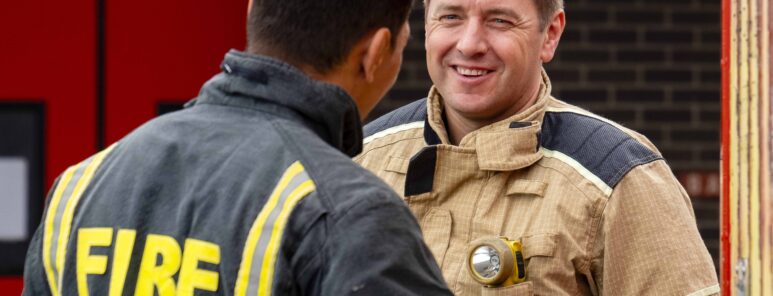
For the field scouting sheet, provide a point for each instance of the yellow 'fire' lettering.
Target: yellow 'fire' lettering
(162, 259)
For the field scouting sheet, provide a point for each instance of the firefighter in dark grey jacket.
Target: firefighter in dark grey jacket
(250, 190)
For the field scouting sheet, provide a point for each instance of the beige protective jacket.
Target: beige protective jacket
(596, 207)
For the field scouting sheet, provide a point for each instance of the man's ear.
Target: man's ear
(553, 33)
(375, 48)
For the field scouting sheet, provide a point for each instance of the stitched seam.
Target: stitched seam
(632, 164)
(593, 231)
(584, 194)
(390, 144)
(311, 171)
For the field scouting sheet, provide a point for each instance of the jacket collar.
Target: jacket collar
(510, 144)
(261, 82)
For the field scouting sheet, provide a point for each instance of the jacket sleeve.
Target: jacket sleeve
(375, 247)
(35, 279)
(648, 241)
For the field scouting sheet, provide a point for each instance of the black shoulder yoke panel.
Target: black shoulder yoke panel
(413, 112)
(600, 147)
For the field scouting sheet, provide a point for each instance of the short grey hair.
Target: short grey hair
(545, 8)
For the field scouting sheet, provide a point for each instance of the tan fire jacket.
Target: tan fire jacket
(596, 207)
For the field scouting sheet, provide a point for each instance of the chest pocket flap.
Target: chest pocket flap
(397, 164)
(539, 245)
(436, 227)
(528, 187)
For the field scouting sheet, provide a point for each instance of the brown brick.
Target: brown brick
(653, 134)
(668, 36)
(571, 35)
(588, 15)
(612, 36)
(564, 75)
(640, 55)
(710, 155)
(637, 16)
(625, 117)
(712, 76)
(696, 17)
(691, 95)
(695, 56)
(691, 135)
(584, 95)
(668, 76)
(583, 55)
(677, 155)
(667, 115)
(711, 37)
(640, 95)
(611, 75)
(711, 115)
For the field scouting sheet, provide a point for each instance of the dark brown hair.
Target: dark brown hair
(319, 33)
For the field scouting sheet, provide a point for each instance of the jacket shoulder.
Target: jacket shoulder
(597, 147)
(412, 113)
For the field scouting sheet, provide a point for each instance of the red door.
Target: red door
(161, 52)
(77, 76)
(47, 107)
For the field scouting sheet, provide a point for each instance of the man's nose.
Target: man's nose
(472, 41)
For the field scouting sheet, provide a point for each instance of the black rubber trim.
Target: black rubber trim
(421, 172)
(519, 124)
(519, 261)
(430, 136)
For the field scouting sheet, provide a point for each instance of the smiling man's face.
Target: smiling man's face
(485, 56)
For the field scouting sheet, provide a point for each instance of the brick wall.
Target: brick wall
(651, 65)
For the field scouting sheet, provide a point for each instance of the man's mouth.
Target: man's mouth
(470, 72)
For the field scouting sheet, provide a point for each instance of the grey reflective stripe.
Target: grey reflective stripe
(265, 237)
(66, 196)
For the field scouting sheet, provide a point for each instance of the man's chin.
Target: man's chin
(470, 106)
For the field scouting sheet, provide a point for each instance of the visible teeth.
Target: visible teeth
(470, 72)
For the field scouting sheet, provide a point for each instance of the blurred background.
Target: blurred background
(75, 76)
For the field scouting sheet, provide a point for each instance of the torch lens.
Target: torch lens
(485, 261)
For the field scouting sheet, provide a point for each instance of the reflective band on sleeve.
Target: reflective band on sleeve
(706, 292)
(49, 232)
(256, 273)
(394, 130)
(603, 187)
(60, 213)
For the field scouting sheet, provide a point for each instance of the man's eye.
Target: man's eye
(499, 21)
(449, 17)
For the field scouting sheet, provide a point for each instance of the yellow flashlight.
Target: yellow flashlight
(496, 262)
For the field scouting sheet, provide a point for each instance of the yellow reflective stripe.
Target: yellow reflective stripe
(62, 226)
(269, 259)
(257, 228)
(49, 228)
(269, 216)
(69, 210)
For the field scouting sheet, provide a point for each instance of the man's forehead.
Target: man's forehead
(514, 8)
(477, 4)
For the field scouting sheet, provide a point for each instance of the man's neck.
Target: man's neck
(458, 126)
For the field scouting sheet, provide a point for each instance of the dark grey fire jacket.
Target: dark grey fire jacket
(249, 190)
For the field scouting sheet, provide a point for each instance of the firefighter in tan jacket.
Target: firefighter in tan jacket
(490, 155)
